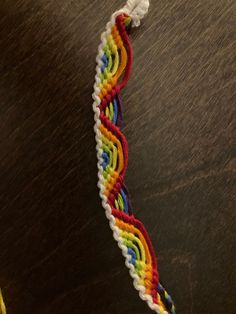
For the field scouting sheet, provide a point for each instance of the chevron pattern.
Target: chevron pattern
(114, 63)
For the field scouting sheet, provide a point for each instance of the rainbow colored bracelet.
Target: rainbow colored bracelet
(114, 62)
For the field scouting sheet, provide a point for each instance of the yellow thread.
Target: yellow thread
(133, 230)
(116, 55)
(112, 140)
(133, 238)
(113, 152)
(2, 304)
(123, 56)
(161, 304)
(132, 246)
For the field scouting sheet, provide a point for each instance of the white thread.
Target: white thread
(136, 9)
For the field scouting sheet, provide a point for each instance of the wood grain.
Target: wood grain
(56, 250)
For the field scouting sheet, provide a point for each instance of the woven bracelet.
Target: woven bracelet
(114, 62)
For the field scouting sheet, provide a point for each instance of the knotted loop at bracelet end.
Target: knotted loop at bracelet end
(136, 9)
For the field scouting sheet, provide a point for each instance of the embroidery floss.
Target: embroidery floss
(2, 304)
(114, 62)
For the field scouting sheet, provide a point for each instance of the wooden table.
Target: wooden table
(57, 254)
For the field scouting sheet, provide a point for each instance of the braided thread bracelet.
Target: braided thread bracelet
(114, 61)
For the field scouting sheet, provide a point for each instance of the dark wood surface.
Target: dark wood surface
(57, 254)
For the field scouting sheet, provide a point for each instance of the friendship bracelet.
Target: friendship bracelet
(114, 62)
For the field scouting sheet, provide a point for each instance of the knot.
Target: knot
(136, 9)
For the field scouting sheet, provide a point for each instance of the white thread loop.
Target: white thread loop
(136, 9)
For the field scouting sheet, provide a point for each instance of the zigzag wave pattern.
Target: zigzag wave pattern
(114, 63)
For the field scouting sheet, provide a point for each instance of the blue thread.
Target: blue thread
(133, 255)
(105, 159)
(115, 115)
(105, 62)
(168, 298)
(125, 201)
